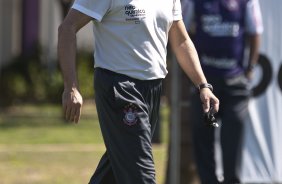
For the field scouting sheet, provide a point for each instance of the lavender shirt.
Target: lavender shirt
(220, 30)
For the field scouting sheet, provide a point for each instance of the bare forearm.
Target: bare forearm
(254, 41)
(186, 53)
(67, 55)
(188, 60)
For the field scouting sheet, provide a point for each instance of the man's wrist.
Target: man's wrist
(70, 86)
(251, 67)
(205, 85)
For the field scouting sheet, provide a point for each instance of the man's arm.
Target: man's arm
(254, 29)
(254, 43)
(71, 99)
(188, 59)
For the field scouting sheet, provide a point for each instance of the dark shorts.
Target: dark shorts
(128, 112)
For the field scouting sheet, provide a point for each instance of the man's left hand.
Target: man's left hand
(209, 99)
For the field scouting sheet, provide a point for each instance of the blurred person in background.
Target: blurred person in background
(226, 34)
(130, 63)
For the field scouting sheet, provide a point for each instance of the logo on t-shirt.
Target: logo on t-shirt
(134, 13)
(215, 26)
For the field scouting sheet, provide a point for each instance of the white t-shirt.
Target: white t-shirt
(131, 36)
(253, 19)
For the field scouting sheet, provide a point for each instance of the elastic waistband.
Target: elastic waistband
(115, 74)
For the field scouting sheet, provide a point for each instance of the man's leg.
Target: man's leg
(234, 113)
(125, 119)
(203, 140)
(104, 173)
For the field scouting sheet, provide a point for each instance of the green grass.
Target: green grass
(44, 124)
(38, 147)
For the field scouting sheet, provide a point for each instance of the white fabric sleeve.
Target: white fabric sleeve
(253, 19)
(177, 12)
(93, 8)
(188, 12)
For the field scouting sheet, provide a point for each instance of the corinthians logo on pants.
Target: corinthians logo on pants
(130, 114)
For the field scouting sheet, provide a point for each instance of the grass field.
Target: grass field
(38, 147)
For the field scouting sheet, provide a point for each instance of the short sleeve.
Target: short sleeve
(253, 19)
(93, 8)
(177, 12)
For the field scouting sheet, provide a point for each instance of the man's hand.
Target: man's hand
(72, 104)
(249, 74)
(208, 99)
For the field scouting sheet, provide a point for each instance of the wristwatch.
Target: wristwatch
(205, 85)
(251, 67)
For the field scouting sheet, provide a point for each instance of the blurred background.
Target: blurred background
(29, 67)
(38, 146)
